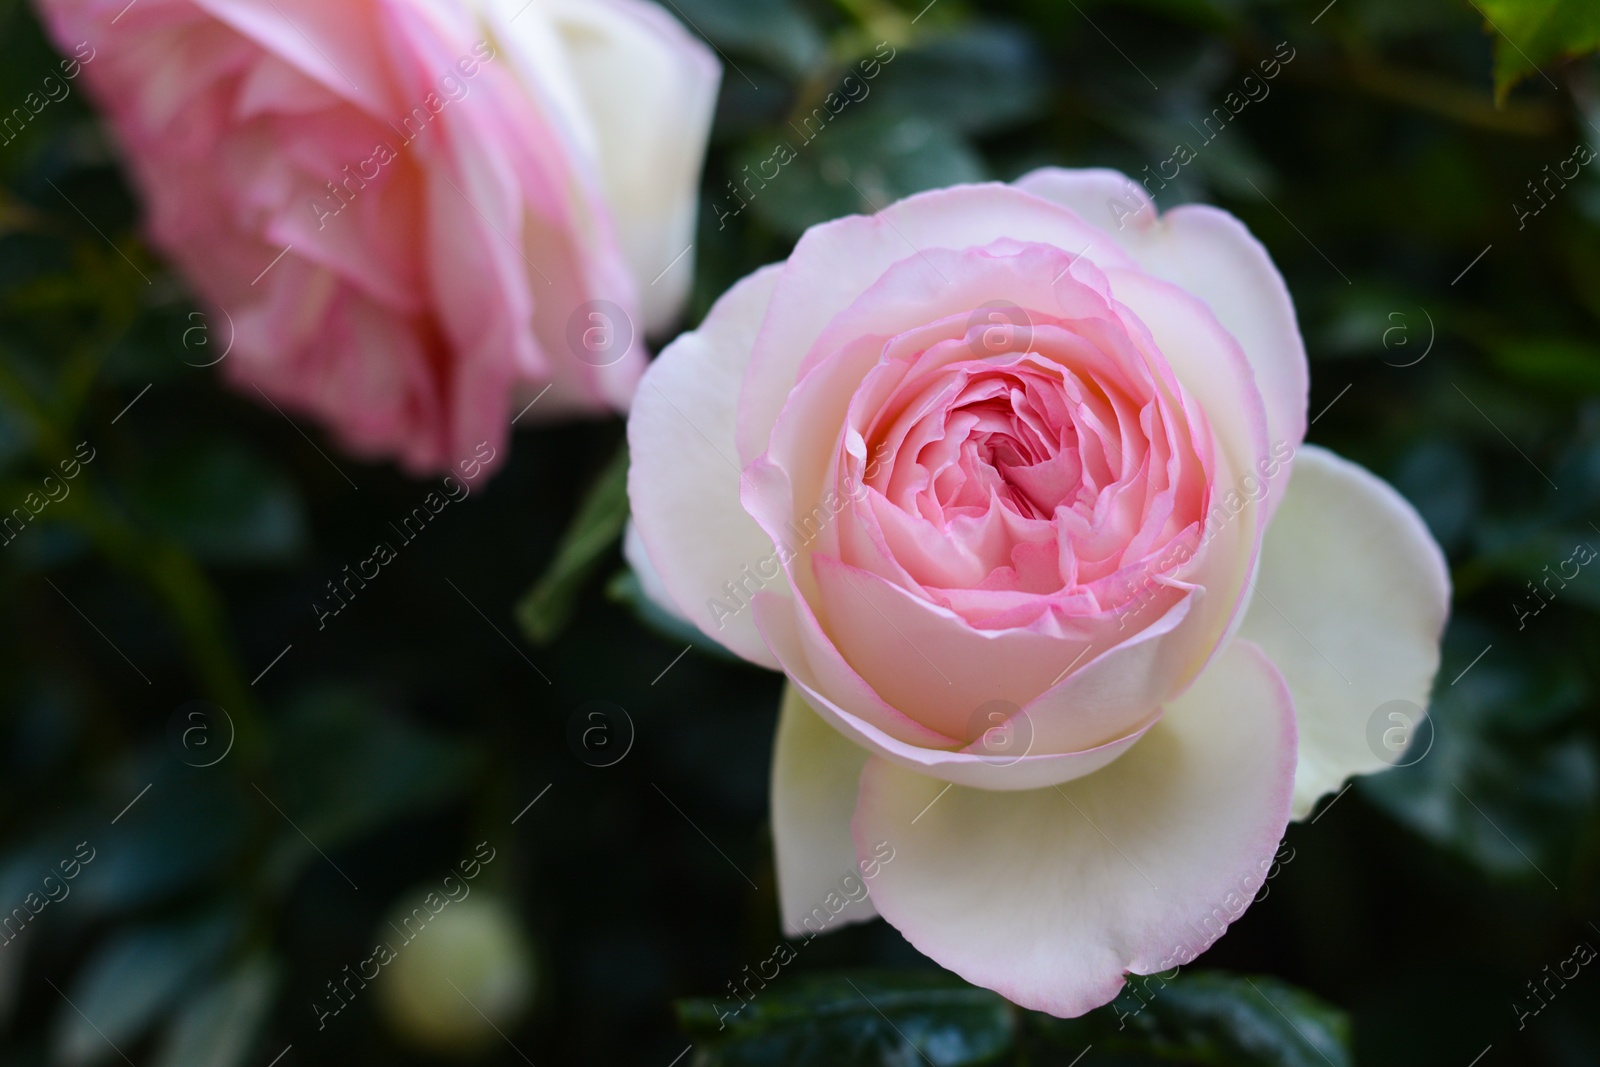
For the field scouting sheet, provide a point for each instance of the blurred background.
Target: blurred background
(218, 794)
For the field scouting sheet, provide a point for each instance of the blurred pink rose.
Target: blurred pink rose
(1000, 478)
(405, 207)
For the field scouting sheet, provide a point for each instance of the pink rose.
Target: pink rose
(1000, 478)
(404, 208)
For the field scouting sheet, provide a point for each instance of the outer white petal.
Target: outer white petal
(1211, 254)
(815, 771)
(683, 479)
(1350, 603)
(638, 560)
(649, 89)
(1050, 896)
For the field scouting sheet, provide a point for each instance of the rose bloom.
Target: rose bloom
(1009, 482)
(398, 210)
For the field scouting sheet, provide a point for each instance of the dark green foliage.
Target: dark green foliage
(858, 1018)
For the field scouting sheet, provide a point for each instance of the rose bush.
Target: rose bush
(399, 210)
(1009, 481)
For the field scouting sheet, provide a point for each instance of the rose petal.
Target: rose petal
(1050, 896)
(683, 481)
(649, 581)
(928, 661)
(838, 694)
(815, 770)
(1350, 603)
(650, 89)
(1216, 375)
(305, 33)
(832, 264)
(1211, 254)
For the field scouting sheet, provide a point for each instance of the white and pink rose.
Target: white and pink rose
(1009, 481)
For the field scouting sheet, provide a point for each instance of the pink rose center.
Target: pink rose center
(1035, 464)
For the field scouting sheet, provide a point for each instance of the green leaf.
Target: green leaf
(130, 980)
(545, 609)
(860, 1018)
(1529, 34)
(822, 167)
(223, 504)
(344, 768)
(775, 31)
(218, 1028)
(986, 76)
(1211, 1018)
(188, 828)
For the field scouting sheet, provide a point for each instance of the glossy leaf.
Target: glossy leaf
(187, 828)
(130, 980)
(1532, 35)
(1211, 1018)
(853, 1020)
(219, 1026)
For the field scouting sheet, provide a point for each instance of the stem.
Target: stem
(1364, 70)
